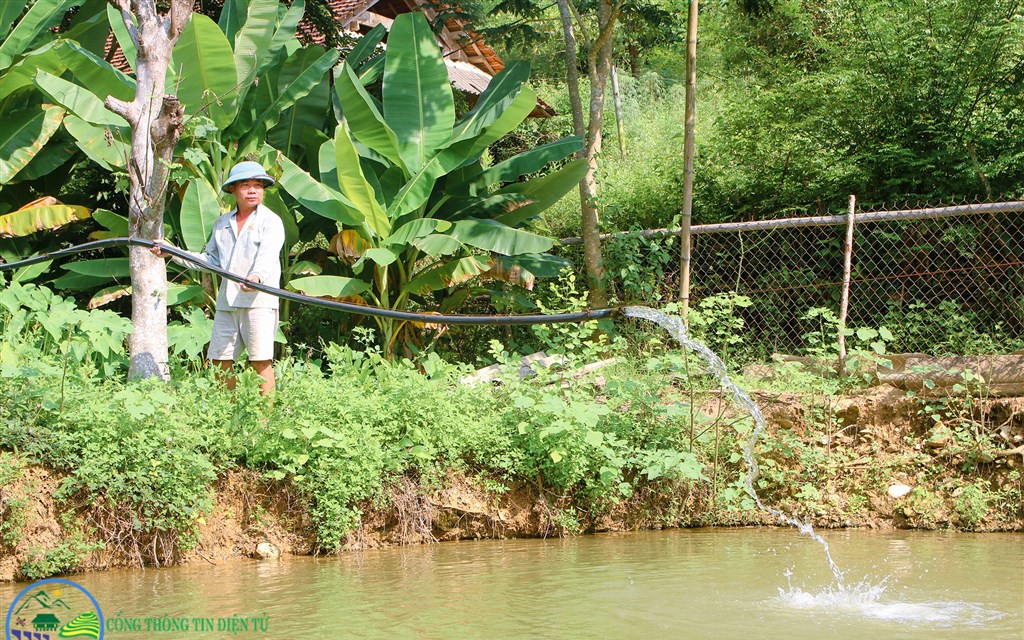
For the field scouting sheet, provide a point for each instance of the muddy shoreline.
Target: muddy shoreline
(865, 446)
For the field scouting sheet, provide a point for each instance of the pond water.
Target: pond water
(687, 583)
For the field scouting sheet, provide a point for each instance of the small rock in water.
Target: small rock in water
(267, 551)
(898, 490)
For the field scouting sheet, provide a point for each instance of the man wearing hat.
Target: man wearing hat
(246, 241)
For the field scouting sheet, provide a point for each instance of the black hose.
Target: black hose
(364, 310)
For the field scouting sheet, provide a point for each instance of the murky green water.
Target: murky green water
(711, 583)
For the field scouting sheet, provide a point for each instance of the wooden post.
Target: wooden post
(685, 244)
(844, 301)
(620, 128)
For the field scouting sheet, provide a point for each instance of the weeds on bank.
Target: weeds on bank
(13, 504)
(139, 458)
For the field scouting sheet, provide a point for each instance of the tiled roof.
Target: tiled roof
(342, 10)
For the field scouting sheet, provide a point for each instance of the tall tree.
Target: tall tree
(156, 121)
(591, 25)
(598, 42)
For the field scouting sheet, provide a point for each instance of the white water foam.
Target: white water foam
(864, 601)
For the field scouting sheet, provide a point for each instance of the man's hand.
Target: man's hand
(251, 278)
(157, 251)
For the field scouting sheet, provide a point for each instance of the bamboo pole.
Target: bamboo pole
(619, 126)
(685, 237)
(844, 301)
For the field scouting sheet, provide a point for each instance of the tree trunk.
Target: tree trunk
(600, 59)
(156, 121)
(572, 74)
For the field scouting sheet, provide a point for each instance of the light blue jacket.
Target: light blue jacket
(255, 250)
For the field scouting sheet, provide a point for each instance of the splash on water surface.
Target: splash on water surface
(863, 600)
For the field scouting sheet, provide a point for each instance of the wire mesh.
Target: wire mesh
(946, 285)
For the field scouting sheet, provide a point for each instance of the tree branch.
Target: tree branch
(127, 110)
(179, 14)
(1012, 452)
(125, 7)
(608, 28)
(146, 10)
(581, 26)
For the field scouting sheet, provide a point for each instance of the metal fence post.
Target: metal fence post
(844, 301)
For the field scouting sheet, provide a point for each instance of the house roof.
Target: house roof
(471, 63)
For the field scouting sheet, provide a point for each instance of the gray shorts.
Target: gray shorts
(251, 329)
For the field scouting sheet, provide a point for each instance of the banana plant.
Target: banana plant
(30, 121)
(241, 82)
(419, 217)
(32, 142)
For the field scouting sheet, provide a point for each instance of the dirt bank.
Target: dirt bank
(881, 459)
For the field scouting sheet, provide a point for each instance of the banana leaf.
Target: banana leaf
(539, 265)
(100, 267)
(414, 230)
(446, 274)
(495, 237)
(306, 114)
(252, 43)
(284, 36)
(232, 17)
(78, 100)
(23, 135)
(35, 23)
(115, 226)
(49, 158)
(328, 286)
(527, 162)
(543, 192)
(418, 102)
(107, 295)
(104, 149)
(199, 210)
(366, 46)
(9, 12)
(31, 272)
(60, 56)
(364, 118)
(79, 282)
(89, 27)
(476, 207)
(437, 245)
(31, 219)
(317, 197)
(354, 184)
(298, 88)
(501, 92)
(207, 78)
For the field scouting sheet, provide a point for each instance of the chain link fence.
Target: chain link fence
(943, 280)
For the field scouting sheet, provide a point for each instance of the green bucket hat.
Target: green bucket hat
(247, 171)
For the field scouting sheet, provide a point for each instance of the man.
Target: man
(247, 242)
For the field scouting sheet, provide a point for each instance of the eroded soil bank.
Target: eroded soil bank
(882, 459)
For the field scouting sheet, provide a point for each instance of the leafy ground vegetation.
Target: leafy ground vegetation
(132, 467)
